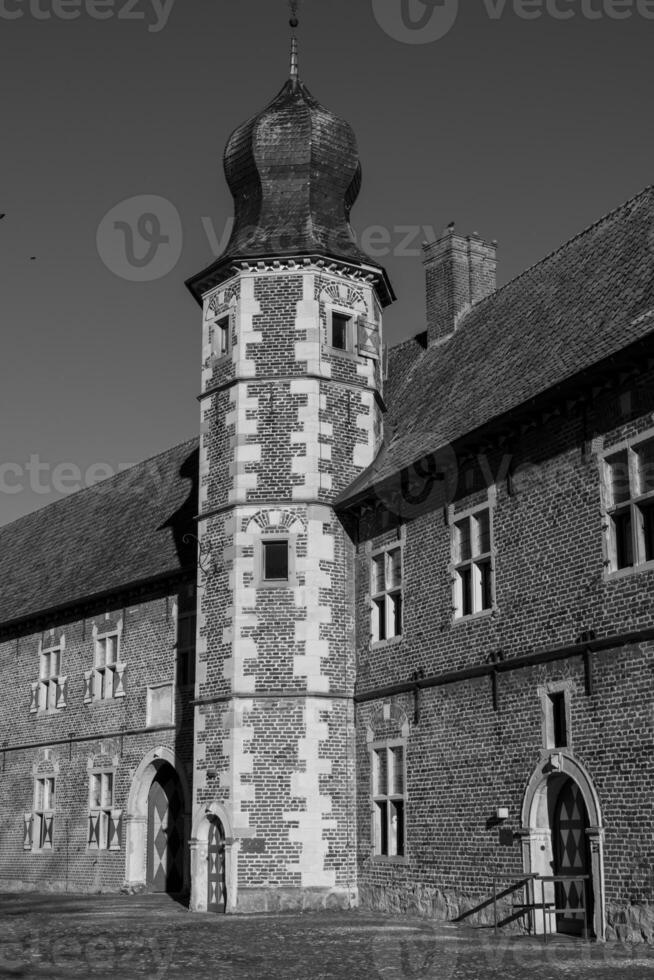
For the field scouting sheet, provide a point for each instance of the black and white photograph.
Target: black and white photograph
(327, 489)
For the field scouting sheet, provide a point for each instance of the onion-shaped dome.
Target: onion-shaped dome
(294, 173)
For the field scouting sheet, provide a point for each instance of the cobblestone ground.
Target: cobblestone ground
(153, 937)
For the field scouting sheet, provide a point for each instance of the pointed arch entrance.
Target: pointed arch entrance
(165, 838)
(157, 825)
(562, 835)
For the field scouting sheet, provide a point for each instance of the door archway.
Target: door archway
(154, 768)
(562, 833)
(570, 850)
(214, 861)
(165, 837)
(216, 892)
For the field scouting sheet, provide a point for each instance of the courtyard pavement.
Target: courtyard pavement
(129, 937)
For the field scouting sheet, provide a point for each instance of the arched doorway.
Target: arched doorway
(216, 894)
(157, 818)
(214, 861)
(562, 834)
(571, 857)
(165, 839)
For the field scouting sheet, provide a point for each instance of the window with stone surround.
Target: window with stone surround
(221, 335)
(628, 490)
(49, 693)
(39, 825)
(555, 708)
(107, 678)
(472, 562)
(276, 561)
(388, 799)
(341, 330)
(386, 593)
(105, 821)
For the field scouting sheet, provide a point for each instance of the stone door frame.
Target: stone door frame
(537, 853)
(200, 858)
(136, 818)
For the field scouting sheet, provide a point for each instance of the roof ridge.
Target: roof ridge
(550, 255)
(100, 483)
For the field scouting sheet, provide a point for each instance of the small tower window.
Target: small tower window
(222, 335)
(275, 561)
(341, 329)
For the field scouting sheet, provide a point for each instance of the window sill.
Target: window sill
(391, 642)
(349, 355)
(387, 859)
(474, 617)
(621, 573)
(285, 583)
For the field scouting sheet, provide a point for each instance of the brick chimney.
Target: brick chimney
(459, 272)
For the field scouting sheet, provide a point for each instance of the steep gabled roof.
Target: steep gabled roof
(123, 531)
(582, 304)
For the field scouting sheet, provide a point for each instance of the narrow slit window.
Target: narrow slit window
(555, 705)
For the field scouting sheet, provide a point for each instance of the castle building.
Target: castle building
(385, 635)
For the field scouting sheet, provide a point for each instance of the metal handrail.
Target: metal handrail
(548, 907)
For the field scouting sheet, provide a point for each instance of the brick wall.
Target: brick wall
(467, 757)
(67, 741)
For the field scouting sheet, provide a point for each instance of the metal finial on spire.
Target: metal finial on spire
(294, 22)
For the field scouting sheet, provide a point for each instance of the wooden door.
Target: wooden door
(216, 868)
(571, 858)
(165, 858)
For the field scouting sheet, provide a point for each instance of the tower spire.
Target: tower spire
(294, 23)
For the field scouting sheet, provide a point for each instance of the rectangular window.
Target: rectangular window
(106, 662)
(559, 724)
(388, 796)
(104, 821)
(473, 563)
(221, 336)
(629, 480)
(44, 807)
(275, 561)
(49, 692)
(555, 707)
(386, 594)
(341, 331)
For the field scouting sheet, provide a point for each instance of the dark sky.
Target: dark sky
(523, 130)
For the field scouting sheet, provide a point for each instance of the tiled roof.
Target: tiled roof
(122, 531)
(580, 305)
